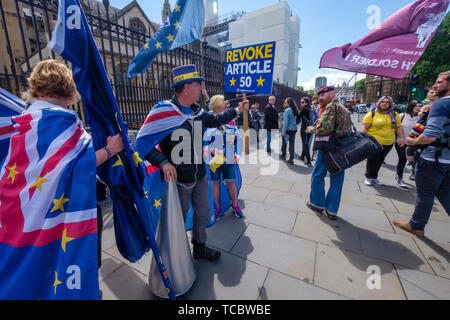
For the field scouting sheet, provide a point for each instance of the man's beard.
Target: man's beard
(442, 93)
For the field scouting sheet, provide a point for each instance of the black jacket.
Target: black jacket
(270, 118)
(195, 170)
(305, 118)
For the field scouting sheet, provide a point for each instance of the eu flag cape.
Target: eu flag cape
(162, 121)
(10, 106)
(184, 26)
(48, 211)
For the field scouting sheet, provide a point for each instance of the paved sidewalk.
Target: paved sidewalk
(284, 251)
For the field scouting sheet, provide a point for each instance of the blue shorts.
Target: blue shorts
(228, 172)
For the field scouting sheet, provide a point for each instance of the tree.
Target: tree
(308, 92)
(436, 58)
(360, 85)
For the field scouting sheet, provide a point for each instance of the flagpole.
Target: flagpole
(245, 123)
(346, 84)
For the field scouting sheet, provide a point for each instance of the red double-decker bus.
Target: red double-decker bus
(351, 103)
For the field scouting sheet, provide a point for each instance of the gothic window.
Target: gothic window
(137, 25)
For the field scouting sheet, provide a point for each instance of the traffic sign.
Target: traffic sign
(250, 69)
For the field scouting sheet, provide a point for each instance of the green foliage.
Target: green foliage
(311, 93)
(436, 58)
(360, 85)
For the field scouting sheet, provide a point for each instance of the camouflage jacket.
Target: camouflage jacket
(334, 113)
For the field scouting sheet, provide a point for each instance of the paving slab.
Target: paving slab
(229, 278)
(394, 248)
(282, 287)
(346, 273)
(437, 255)
(360, 215)
(287, 200)
(109, 265)
(279, 251)
(367, 200)
(249, 192)
(225, 233)
(339, 233)
(126, 284)
(273, 183)
(143, 265)
(423, 286)
(268, 216)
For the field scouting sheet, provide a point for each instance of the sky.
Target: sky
(325, 24)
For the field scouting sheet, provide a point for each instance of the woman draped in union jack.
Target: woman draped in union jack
(48, 211)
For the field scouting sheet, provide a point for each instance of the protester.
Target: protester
(315, 104)
(289, 129)
(408, 119)
(307, 119)
(433, 168)
(51, 91)
(315, 108)
(382, 123)
(332, 117)
(256, 117)
(224, 141)
(413, 152)
(270, 121)
(190, 174)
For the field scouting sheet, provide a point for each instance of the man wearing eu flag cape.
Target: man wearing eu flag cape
(180, 117)
(178, 126)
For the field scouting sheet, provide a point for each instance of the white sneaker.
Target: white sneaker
(377, 182)
(402, 184)
(368, 182)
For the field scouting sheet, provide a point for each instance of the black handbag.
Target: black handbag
(326, 143)
(350, 151)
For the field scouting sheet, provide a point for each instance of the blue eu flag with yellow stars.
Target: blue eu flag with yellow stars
(184, 26)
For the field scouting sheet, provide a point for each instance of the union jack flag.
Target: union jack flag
(10, 106)
(48, 211)
(164, 118)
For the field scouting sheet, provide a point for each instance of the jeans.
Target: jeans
(306, 141)
(227, 171)
(431, 181)
(401, 152)
(269, 139)
(291, 141)
(332, 200)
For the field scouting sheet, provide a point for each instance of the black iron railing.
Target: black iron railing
(26, 28)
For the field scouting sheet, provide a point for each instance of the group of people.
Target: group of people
(420, 136)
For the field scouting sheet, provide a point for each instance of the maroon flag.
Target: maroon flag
(393, 48)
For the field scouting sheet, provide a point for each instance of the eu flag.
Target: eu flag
(124, 173)
(184, 26)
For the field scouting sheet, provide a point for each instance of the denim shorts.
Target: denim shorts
(228, 172)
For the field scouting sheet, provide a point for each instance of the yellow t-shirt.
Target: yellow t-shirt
(381, 128)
